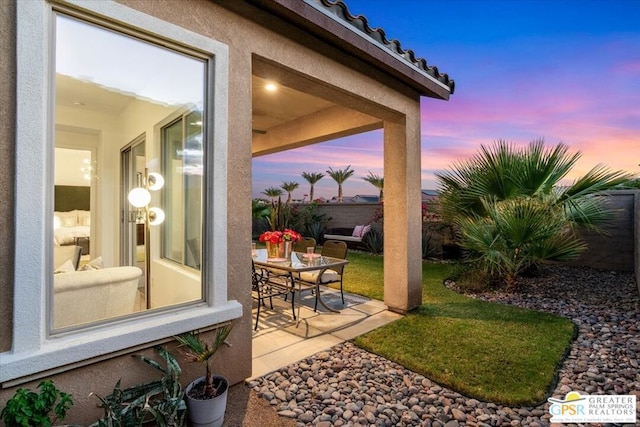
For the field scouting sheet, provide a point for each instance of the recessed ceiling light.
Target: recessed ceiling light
(271, 87)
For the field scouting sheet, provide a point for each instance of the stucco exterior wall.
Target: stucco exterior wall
(7, 160)
(101, 376)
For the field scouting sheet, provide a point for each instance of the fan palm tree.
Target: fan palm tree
(198, 350)
(289, 187)
(340, 176)
(511, 211)
(272, 193)
(312, 178)
(503, 171)
(377, 181)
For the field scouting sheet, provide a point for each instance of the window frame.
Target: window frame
(35, 352)
(160, 129)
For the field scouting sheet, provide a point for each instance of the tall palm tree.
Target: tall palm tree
(511, 211)
(272, 193)
(312, 178)
(377, 181)
(289, 187)
(340, 176)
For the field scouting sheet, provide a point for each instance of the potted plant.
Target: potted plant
(206, 396)
(28, 408)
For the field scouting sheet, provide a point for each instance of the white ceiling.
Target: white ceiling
(280, 106)
(269, 108)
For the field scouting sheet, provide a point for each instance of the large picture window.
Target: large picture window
(118, 92)
(96, 83)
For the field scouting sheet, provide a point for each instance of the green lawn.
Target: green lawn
(488, 351)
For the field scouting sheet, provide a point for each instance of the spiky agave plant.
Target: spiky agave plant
(160, 400)
(197, 350)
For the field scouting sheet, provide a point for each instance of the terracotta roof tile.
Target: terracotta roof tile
(360, 22)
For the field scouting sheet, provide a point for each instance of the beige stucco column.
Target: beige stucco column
(402, 214)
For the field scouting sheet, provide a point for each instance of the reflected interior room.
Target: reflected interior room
(127, 116)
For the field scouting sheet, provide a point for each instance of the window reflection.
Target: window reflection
(106, 99)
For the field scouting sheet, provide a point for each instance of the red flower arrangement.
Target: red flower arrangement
(280, 236)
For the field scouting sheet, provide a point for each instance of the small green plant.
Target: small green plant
(31, 409)
(374, 241)
(279, 216)
(315, 230)
(198, 350)
(306, 217)
(160, 401)
(428, 245)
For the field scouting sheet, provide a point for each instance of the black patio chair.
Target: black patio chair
(333, 249)
(303, 244)
(263, 287)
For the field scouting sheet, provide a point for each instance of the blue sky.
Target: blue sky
(562, 70)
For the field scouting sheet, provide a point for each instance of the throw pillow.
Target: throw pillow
(365, 230)
(357, 231)
(94, 264)
(66, 267)
(84, 218)
(67, 219)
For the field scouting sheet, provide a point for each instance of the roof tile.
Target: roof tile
(360, 22)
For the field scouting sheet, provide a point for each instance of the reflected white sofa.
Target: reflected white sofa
(88, 296)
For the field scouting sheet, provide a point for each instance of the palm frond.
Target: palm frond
(542, 169)
(192, 342)
(598, 179)
(589, 211)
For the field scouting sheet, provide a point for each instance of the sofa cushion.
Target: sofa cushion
(62, 253)
(87, 296)
(94, 264)
(343, 238)
(66, 267)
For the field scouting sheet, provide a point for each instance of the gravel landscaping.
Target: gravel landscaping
(347, 386)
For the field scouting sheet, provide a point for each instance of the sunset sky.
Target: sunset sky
(565, 71)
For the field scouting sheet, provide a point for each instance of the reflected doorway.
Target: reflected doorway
(134, 238)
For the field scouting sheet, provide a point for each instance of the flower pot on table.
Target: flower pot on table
(280, 250)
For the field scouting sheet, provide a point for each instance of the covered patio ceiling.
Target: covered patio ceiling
(302, 111)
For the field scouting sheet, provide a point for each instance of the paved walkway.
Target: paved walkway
(280, 341)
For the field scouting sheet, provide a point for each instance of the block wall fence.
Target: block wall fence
(618, 249)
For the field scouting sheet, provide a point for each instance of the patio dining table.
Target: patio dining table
(298, 263)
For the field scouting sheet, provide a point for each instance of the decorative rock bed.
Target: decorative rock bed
(347, 386)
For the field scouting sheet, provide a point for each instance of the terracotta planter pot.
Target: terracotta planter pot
(207, 412)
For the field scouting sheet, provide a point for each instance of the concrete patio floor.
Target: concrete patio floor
(280, 340)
